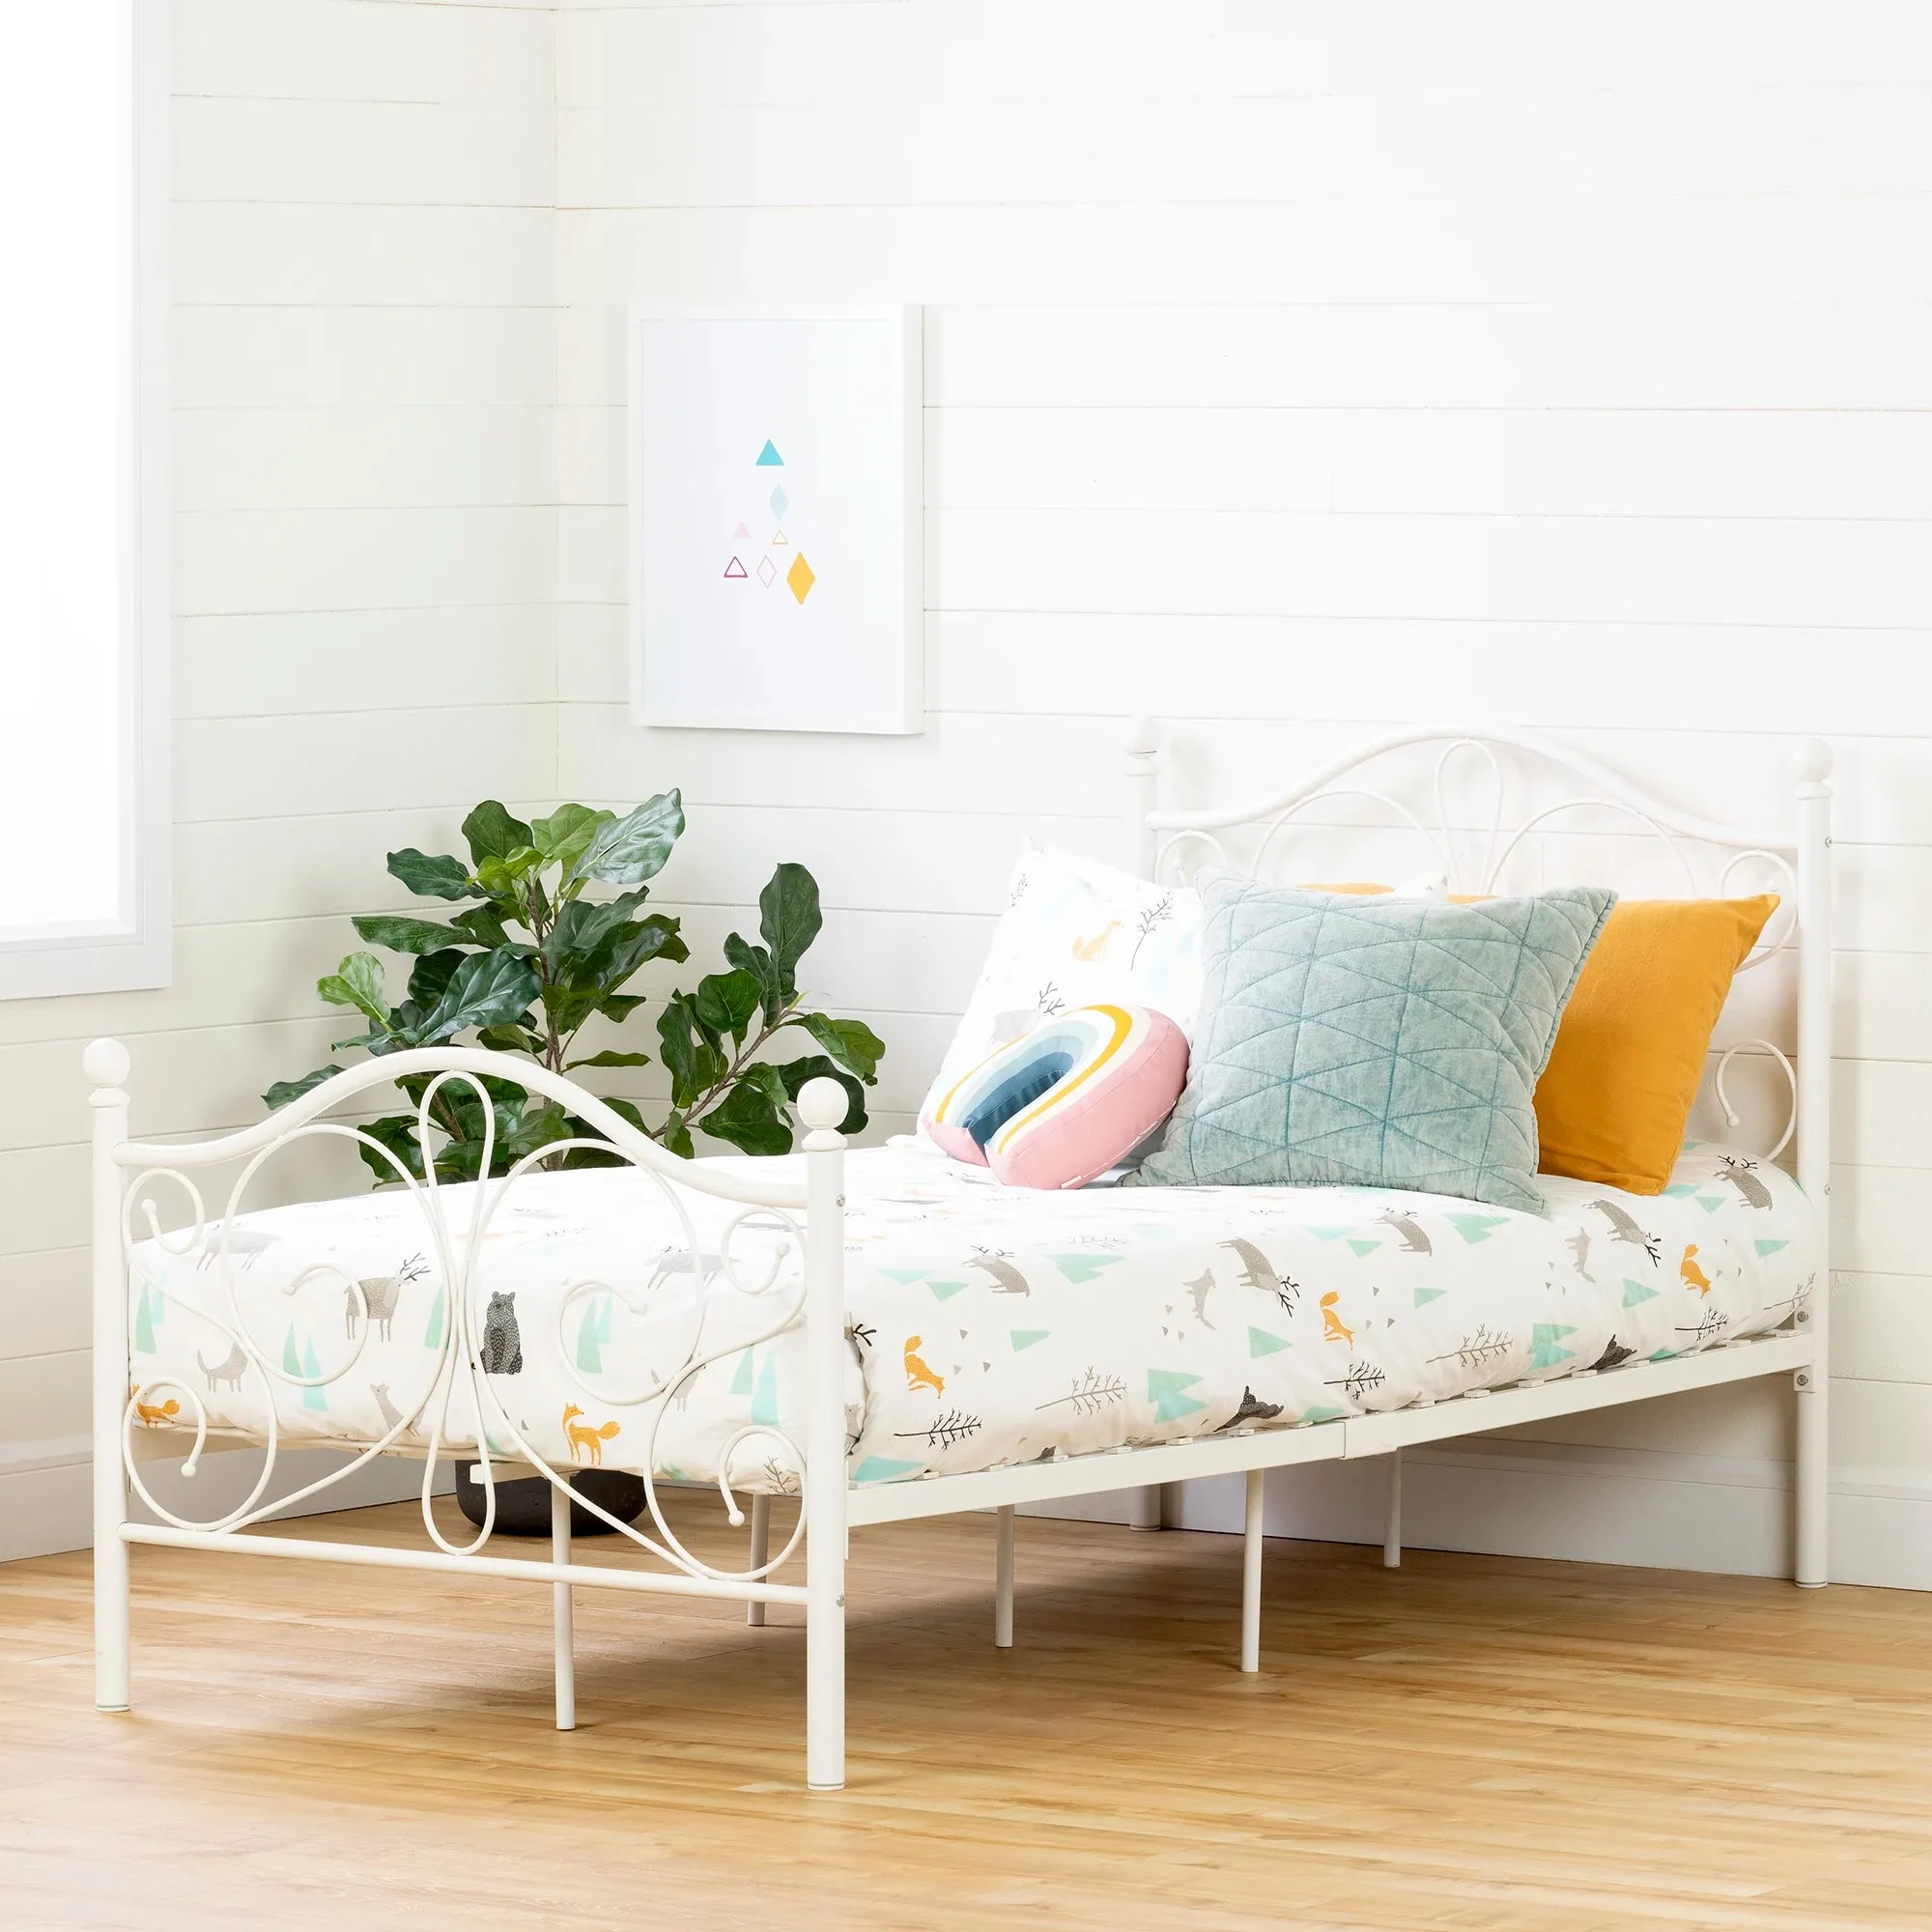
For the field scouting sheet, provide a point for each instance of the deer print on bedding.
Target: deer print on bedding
(381, 1295)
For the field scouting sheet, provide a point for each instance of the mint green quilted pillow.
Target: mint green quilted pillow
(1375, 1041)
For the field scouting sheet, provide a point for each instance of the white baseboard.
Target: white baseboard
(47, 1501)
(1588, 1505)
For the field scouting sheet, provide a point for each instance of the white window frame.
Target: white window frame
(138, 951)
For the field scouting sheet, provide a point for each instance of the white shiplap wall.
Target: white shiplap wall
(363, 375)
(1294, 370)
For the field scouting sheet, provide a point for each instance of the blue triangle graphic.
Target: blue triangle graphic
(770, 459)
(1425, 1296)
(882, 1470)
(1025, 1338)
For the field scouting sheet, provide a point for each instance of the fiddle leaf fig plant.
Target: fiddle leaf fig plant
(535, 955)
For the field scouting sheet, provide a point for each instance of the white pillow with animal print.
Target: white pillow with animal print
(1074, 933)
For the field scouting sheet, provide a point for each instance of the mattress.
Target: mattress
(990, 1326)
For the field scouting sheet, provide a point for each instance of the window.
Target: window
(83, 537)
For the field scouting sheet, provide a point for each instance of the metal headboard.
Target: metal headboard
(1469, 803)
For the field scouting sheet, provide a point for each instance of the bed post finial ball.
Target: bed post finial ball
(105, 1062)
(1143, 738)
(822, 1104)
(1815, 761)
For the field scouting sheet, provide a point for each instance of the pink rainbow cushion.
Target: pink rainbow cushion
(1067, 1100)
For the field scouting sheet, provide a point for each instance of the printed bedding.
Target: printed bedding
(990, 1326)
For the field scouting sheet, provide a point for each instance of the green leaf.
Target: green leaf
(852, 1043)
(385, 1038)
(563, 836)
(633, 848)
(357, 982)
(567, 1008)
(726, 1000)
(610, 1056)
(582, 929)
(432, 975)
(655, 937)
(676, 1137)
(796, 1073)
(484, 925)
(492, 834)
(756, 961)
(511, 1040)
(789, 919)
(488, 989)
(620, 1006)
(749, 1118)
(402, 934)
(502, 877)
(398, 1133)
(428, 875)
(285, 1091)
(692, 1060)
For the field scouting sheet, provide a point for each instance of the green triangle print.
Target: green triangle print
(144, 1322)
(1425, 1296)
(1322, 1415)
(906, 1275)
(1544, 1349)
(315, 1397)
(1330, 1234)
(1710, 1202)
(290, 1361)
(1474, 1228)
(1365, 1247)
(882, 1470)
(1083, 1267)
(945, 1291)
(432, 1330)
(1678, 1189)
(765, 1404)
(1167, 1390)
(1635, 1295)
(1770, 1247)
(741, 1382)
(590, 1356)
(768, 457)
(1262, 1343)
(1025, 1338)
(604, 1303)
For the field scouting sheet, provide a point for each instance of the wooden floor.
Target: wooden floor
(1468, 1743)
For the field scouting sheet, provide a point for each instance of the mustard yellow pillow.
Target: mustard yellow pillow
(1629, 1052)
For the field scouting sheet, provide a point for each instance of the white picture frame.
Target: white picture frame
(776, 509)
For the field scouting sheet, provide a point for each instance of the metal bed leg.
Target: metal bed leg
(1157, 1506)
(1811, 1479)
(761, 1550)
(1392, 1519)
(1002, 1580)
(822, 1105)
(563, 1616)
(1251, 1575)
(107, 1063)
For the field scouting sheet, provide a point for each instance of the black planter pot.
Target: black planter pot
(523, 1506)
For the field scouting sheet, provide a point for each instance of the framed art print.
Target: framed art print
(774, 520)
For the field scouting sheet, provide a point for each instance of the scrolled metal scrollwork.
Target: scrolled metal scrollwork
(458, 1374)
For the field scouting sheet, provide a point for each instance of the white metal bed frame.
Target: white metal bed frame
(124, 1171)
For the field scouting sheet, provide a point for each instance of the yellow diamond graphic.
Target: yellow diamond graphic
(799, 577)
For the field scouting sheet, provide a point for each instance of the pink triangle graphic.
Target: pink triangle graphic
(740, 534)
(734, 568)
